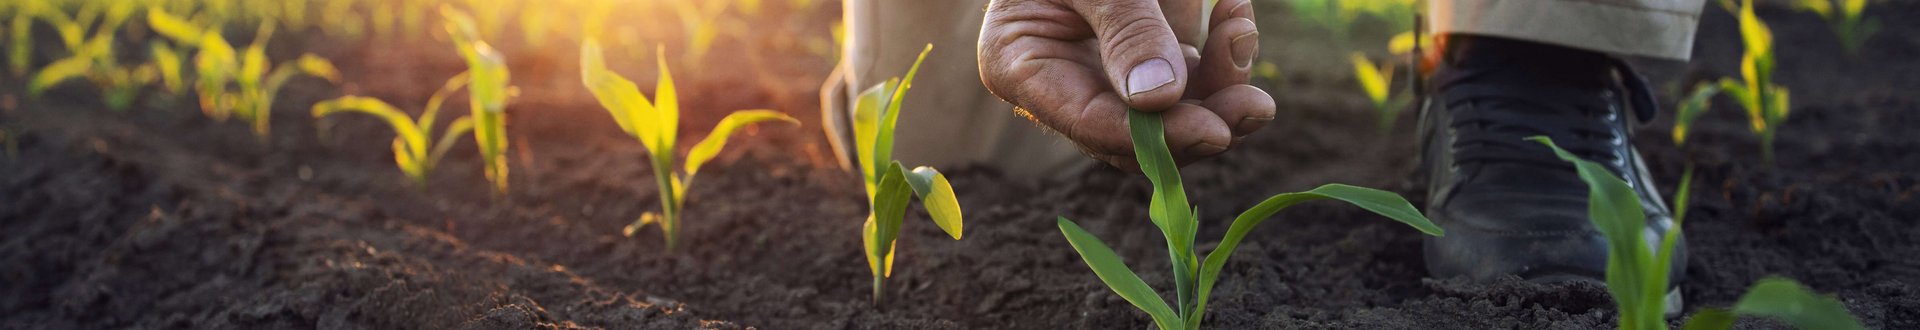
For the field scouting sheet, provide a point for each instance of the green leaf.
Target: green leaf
(1615, 211)
(1754, 31)
(407, 131)
(937, 194)
(168, 62)
(667, 102)
(866, 129)
(1695, 105)
(622, 98)
(1169, 207)
(439, 98)
(1115, 274)
(710, 146)
(883, 140)
(1379, 202)
(889, 210)
(58, 72)
(173, 27)
(1372, 80)
(1789, 302)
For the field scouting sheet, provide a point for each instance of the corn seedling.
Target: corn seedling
(411, 149)
(656, 124)
(93, 57)
(1376, 81)
(1637, 275)
(1846, 19)
(488, 92)
(701, 21)
(890, 186)
(1767, 104)
(1695, 105)
(1168, 209)
(237, 84)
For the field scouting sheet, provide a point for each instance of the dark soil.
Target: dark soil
(161, 218)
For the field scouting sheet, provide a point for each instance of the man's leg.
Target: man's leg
(1520, 68)
(949, 118)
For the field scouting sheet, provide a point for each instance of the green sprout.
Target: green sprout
(890, 186)
(219, 69)
(1695, 105)
(411, 150)
(1637, 276)
(488, 91)
(1178, 222)
(656, 124)
(93, 57)
(20, 38)
(1375, 80)
(1846, 19)
(1767, 104)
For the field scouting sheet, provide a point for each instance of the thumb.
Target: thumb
(1138, 50)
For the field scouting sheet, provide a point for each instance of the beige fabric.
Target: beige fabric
(1653, 28)
(949, 119)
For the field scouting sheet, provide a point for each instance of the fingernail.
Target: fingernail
(1244, 47)
(1149, 75)
(1250, 124)
(1204, 149)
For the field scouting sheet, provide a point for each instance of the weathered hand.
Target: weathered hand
(1075, 66)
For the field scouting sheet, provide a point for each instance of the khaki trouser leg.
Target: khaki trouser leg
(949, 118)
(1652, 28)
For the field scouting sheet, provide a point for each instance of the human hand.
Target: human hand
(1076, 66)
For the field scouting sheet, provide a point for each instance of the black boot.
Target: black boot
(1510, 207)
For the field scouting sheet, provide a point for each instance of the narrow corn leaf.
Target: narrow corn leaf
(1115, 274)
(1753, 30)
(620, 96)
(167, 61)
(459, 127)
(439, 98)
(710, 146)
(58, 72)
(1824, 8)
(20, 48)
(316, 66)
(1169, 204)
(1695, 105)
(1379, 202)
(1372, 81)
(937, 194)
(866, 128)
(889, 119)
(1789, 302)
(408, 133)
(1615, 211)
(889, 210)
(666, 101)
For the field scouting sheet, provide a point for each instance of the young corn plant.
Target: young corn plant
(1767, 104)
(1376, 81)
(234, 84)
(1194, 277)
(890, 186)
(1846, 19)
(1637, 275)
(1695, 105)
(488, 92)
(92, 57)
(415, 155)
(656, 124)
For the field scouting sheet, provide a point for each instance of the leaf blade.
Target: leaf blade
(1112, 271)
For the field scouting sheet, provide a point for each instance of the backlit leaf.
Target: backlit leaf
(1115, 274)
(937, 195)
(710, 146)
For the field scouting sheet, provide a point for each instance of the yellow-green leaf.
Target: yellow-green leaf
(710, 146)
(937, 195)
